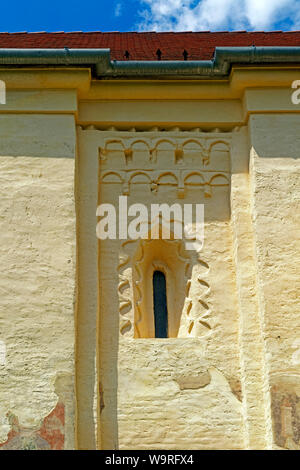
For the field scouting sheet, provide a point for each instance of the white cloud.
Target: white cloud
(214, 15)
(118, 9)
(264, 14)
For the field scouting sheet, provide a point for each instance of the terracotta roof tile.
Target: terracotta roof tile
(143, 46)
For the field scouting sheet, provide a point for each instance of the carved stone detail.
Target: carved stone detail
(193, 318)
(199, 160)
(174, 159)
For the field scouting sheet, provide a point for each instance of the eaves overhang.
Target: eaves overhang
(104, 68)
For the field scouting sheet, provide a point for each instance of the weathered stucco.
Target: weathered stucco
(79, 365)
(37, 281)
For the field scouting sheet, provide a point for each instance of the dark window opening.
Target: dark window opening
(185, 54)
(160, 305)
(158, 54)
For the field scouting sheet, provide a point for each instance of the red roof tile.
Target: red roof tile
(143, 46)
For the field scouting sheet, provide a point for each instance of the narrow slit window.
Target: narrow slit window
(160, 305)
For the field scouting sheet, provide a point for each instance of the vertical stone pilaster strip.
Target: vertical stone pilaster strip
(256, 400)
(87, 295)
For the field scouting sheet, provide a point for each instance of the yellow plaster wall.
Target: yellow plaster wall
(275, 175)
(37, 280)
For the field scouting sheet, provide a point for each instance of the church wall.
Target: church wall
(79, 365)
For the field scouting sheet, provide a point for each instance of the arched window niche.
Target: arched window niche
(160, 271)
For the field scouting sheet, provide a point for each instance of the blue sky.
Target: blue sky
(150, 15)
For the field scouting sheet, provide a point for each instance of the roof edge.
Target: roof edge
(99, 59)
